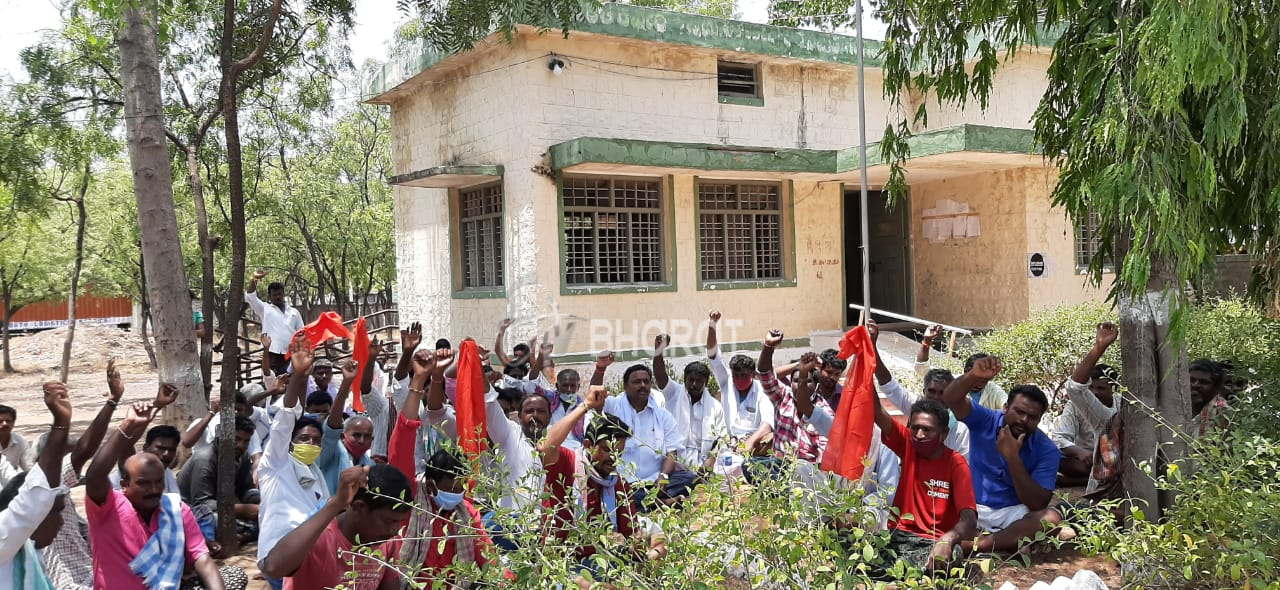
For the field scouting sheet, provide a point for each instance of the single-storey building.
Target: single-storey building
(654, 165)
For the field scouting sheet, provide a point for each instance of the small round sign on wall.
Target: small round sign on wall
(1036, 265)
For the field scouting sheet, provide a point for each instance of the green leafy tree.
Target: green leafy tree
(716, 8)
(1161, 119)
(32, 266)
(334, 213)
(77, 109)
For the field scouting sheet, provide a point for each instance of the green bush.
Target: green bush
(1236, 331)
(1222, 531)
(1043, 349)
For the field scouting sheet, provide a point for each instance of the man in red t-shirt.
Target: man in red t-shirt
(320, 553)
(560, 463)
(934, 505)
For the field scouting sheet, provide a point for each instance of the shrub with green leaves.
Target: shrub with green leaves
(1222, 531)
(1045, 348)
(1237, 331)
(726, 536)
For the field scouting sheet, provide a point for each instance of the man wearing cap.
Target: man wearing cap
(322, 378)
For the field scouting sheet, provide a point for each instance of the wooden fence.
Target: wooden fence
(383, 325)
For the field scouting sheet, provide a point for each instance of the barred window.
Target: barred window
(737, 79)
(613, 231)
(740, 231)
(480, 225)
(1087, 240)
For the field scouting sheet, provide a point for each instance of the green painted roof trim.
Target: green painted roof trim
(699, 156)
(679, 28)
(958, 138)
(676, 28)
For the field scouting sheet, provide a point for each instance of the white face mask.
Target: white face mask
(568, 398)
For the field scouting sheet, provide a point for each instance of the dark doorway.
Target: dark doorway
(890, 254)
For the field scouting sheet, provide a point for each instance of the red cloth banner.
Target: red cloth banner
(850, 437)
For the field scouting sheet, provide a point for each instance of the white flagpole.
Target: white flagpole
(862, 134)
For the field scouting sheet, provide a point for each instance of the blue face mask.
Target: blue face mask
(316, 417)
(447, 500)
(951, 423)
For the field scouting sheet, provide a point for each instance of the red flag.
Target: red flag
(360, 354)
(326, 327)
(850, 437)
(472, 434)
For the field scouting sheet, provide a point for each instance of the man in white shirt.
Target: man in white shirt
(162, 441)
(204, 431)
(1091, 394)
(31, 509)
(649, 462)
(748, 412)
(991, 396)
(699, 416)
(13, 447)
(279, 319)
(291, 484)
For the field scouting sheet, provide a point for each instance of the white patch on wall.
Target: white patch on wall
(949, 220)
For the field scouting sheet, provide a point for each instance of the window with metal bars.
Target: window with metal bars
(480, 229)
(737, 80)
(1087, 241)
(613, 231)
(740, 231)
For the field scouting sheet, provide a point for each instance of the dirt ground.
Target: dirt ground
(36, 358)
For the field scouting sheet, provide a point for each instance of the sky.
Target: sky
(26, 20)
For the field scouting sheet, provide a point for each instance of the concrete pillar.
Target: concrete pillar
(423, 271)
(533, 285)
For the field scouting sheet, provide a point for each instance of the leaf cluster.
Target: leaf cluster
(1161, 117)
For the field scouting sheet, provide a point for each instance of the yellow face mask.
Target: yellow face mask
(306, 454)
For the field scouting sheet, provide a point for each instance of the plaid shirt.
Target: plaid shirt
(791, 434)
(68, 561)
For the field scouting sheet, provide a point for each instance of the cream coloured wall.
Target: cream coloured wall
(499, 110)
(625, 89)
(422, 258)
(1051, 232)
(814, 303)
(1015, 93)
(505, 107)
(973, 282)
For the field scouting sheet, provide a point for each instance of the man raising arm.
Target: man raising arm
(1014, 465)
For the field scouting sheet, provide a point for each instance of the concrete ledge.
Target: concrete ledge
(598, 154)
(448, 176)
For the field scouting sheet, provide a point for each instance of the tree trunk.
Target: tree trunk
(207, 295)
(81, 220)
(144, 312)
(1158, 393)
(8, 313)
(146, 338)
(157, 222)
(227, 99)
